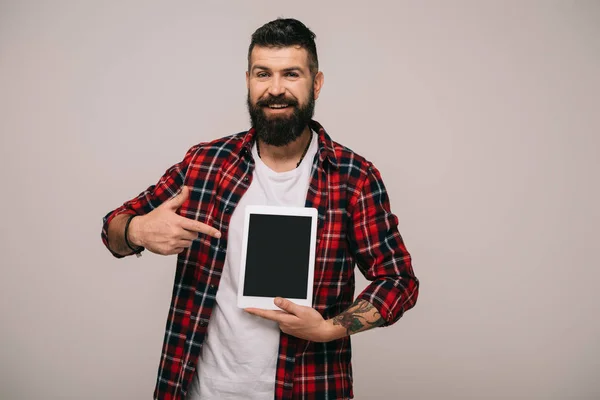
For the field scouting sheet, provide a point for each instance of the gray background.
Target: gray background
(483, 117)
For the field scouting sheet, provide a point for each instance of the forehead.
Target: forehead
(279, 57)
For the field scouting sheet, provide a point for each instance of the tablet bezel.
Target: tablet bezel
(267, 302)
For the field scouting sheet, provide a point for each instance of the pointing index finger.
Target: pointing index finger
(197, 226)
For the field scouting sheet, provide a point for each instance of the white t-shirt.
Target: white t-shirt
(239, 355)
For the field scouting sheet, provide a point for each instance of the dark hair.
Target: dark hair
(285, 32)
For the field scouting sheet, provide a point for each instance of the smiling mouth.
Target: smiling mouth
(277, 106)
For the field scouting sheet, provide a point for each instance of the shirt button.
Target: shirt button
(203, 323)
(246, 179)
(227, 209)
(212, 287)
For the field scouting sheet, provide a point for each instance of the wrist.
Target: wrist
(333, 332)
(134, 233)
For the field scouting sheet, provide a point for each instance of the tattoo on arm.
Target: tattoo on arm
(360, 316)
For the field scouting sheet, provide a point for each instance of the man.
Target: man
(212, 349)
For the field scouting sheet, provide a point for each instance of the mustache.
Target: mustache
(273, 101)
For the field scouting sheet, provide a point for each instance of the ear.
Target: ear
(318, 84)
(247, 80)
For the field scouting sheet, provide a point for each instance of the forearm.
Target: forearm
(360, 316)
(380, 253)
(116, 235)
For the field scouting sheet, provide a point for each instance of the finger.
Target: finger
(287, 305)
(175, 202)
(197, 226)
(184, 234)
(168, 251)
(272, 315)
(183, 244)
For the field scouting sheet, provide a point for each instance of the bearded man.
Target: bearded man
(214, 350)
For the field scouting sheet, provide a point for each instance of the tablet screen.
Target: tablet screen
(277, 256)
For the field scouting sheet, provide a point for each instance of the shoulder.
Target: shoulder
(347, 161)
(351, 163)
(359, 179)
(217, 150)
(355, 174)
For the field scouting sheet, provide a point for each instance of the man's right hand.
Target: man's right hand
(163, 231)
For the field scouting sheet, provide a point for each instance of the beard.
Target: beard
(280, 130)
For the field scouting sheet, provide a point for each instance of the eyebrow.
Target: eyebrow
(290, 69)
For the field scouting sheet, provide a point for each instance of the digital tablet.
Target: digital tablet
(278, 256)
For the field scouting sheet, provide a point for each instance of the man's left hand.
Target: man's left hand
(299, 321)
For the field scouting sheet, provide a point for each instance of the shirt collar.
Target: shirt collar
(326, 148)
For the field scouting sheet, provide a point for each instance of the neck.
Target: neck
(281, 156)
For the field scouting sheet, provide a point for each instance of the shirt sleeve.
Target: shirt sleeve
(380, 253)
(167, 187)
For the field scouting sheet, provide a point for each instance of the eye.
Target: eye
(292, 74)
(262, 74)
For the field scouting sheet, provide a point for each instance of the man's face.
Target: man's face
(281, 93)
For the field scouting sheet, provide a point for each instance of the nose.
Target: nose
(276, 88)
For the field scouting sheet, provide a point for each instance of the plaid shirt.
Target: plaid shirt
(355, 226)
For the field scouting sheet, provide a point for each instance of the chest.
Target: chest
(218, 196)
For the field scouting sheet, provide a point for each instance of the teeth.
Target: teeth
(278, 105)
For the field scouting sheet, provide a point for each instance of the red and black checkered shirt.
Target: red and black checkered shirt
(355, 226)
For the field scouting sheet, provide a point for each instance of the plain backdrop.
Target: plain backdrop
(482, 116)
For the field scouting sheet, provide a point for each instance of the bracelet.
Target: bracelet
(139, 249)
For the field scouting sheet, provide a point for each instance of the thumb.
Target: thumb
(286, 305)
(175, 202)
